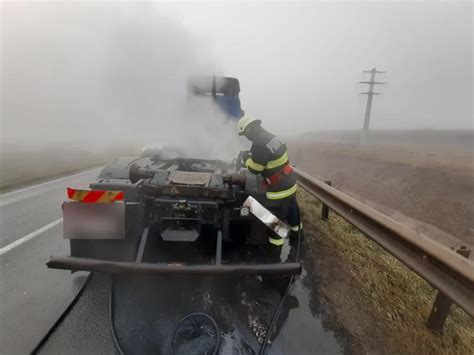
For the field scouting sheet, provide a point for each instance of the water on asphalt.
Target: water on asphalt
(149, 308)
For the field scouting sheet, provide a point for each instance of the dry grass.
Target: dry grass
(372, 296)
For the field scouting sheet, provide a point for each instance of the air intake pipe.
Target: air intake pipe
(136, 173)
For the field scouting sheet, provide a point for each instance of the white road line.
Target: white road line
(47, 183)
(27, 237)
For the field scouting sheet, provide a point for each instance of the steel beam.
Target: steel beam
(119, 267)
(325, 208)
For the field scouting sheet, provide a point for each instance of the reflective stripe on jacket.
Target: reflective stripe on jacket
(269, 156)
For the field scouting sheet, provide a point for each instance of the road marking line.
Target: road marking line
(27, 237)
(47, 183)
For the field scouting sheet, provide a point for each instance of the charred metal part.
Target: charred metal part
(235, 179)
(266, 217)
(244, 212)
(179, 213)
(177, 161)
(115, 267)
(192, 172)
(136, 172)
(184, 191)
(219, 248)
(182, 231)
(444, 269)
(177, 199)
(189, 178)
(141, 247)
(222, 234)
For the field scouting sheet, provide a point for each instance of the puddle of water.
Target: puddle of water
(148, 309)
(242, 307)
(302, 331)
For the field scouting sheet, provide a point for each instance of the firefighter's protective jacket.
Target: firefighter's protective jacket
(269, 157)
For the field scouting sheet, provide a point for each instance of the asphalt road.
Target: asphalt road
(31, 296)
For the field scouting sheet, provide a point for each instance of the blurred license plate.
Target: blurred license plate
(93, 220)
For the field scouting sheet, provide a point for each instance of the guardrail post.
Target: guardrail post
(325, 209)
(442, 303)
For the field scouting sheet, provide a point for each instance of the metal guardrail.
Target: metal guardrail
(449, 272)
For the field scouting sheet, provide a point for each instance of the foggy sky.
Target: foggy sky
(299, 63)
(108, 70)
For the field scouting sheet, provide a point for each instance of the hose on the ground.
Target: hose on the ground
(195, 315)
(61, 317)
(270, 329)
(116, 341)
(117, 345)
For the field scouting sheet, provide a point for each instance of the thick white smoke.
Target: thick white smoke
(92, 75)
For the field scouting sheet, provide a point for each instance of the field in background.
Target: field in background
(428, 141)
(424, 179)
(25, 164)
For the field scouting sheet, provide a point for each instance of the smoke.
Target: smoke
(95, 74)
(299, 62)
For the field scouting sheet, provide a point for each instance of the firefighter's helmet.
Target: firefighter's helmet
(244, 122)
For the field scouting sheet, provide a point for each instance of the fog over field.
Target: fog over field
(105, 72)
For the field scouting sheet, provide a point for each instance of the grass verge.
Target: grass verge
(370, 296)
(25, 165)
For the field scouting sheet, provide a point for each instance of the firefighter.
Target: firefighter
(268, 156)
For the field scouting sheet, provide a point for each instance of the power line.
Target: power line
(370, 94)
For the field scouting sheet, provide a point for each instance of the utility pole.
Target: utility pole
(369, 94)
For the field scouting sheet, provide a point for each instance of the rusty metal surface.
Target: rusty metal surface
(446, 270)
(189, 178)
(183, 191)
(115, 267)
(235, 179)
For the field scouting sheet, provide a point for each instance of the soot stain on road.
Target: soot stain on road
(148, 309)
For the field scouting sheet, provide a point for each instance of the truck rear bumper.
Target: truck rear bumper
(118, 267)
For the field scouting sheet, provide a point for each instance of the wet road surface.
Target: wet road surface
(148, 310)
(32, 297)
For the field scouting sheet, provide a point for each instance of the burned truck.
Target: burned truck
(165, 212)
(167, 238)
(167, 203)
